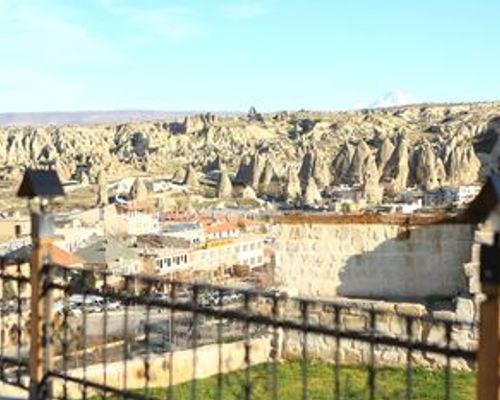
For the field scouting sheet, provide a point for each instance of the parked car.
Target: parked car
(60, 307)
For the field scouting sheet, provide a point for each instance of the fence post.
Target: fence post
(40, 187)
(488, 381)
(41, 232)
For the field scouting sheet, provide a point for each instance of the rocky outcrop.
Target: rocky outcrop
(248, 193)
(312, 196)
(292, 190)
(102, 189)
(342, 163)
(139, 191)
(429, 169)
(244, 173)
(371, 190)
(306, 168)
(359, 160)
(333, 148)
(191, 179)
(397, 169)
(384, 154)
(224, 187)
(462, 164)
(256, 169)
(321, 172)
(254, 116)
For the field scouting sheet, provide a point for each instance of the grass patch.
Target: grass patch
(391, 384)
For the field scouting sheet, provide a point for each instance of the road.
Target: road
(115, 321)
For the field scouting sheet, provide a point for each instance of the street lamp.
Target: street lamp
(40, 187)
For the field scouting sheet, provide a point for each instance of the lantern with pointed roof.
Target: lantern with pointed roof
(40, 187)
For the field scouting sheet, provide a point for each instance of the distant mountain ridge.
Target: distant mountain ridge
(92, 117)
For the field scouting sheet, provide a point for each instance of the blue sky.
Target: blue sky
(230, 54)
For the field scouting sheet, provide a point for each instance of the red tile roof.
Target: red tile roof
(63, 257)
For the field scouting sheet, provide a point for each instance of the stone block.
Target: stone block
(411, 309)
(464, 309)
(353, 322)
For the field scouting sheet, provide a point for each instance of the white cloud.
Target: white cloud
(44, 34)
(246, 9)
(45, 47)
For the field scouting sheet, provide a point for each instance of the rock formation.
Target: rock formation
(397, 168)
(179, 175)
(306, 168)
(292, 190)
(371, 190)
(244, 173)
(139, 191)
(429, 170)
(253, 115)
(248, 193)
(321, 172)
(224, 187)
(359, 161)
(342, 163)
(333, 148)
(384, 154)
(257, 168)
(462, 164)
(312, 196)
(191, 178)
(102, 189)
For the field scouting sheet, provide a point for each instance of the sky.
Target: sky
(227, 55)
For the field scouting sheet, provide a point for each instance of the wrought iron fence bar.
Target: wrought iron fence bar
(19, 319)
(220, 381)
(447, 374)
(100, 388)
(336, 321)
(326, 304)
(289, 324)
(372, 371)
(194, 387)
(170, 393)
(409, 359)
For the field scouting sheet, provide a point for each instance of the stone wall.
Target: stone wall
(210, 360)
(378, 261)
(390, 321)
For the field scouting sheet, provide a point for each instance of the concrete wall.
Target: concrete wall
(384, 261)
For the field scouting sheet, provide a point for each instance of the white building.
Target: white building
(211, 256)
(140, 223)
(189, 231)
(452, 195)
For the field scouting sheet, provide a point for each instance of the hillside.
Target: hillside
(398, 147)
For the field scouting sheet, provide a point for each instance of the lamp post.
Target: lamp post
(40, 187)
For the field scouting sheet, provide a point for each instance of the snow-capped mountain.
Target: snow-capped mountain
(393, 98)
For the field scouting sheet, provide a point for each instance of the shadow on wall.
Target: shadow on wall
(420, 263)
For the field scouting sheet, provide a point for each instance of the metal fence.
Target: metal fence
(140, 337)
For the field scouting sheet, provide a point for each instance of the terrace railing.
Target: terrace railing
(142, 337)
